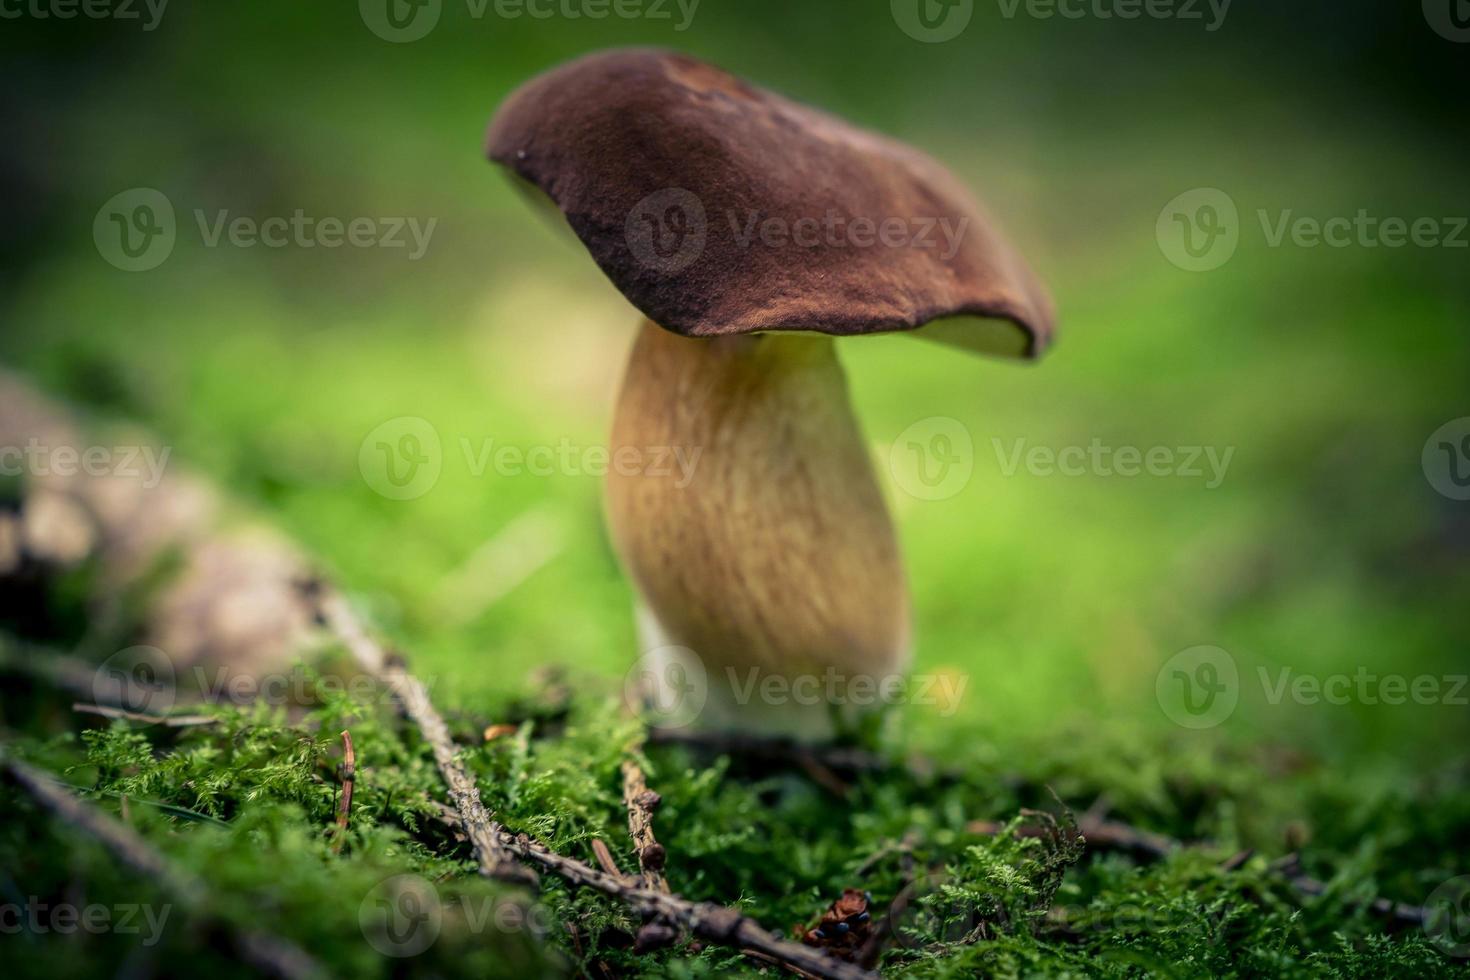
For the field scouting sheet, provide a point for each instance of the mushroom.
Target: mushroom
(751, 231)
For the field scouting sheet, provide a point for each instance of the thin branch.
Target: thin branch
(605, 858)
(705, 920)
(167, 721)
(269, 954)
(344, 806)
(71, 674)
(333, 612)
(887, 927)
(641, 803)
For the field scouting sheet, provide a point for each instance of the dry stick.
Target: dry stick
(344, 808)
(493, 844)
(887, 927)
(706, 920)
(605, 859)
(333, 612)
(167, 721)
(70, 674)
(269, 954)
(641, 802)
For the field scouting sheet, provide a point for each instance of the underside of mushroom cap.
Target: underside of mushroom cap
(720, 208)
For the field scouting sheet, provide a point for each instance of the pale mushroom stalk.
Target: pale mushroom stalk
(774, 559)
(772, 569)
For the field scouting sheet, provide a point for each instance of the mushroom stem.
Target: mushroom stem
(769, 552)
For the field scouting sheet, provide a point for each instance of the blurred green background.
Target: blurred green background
(1324, 550)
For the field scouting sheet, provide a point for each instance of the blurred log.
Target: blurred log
(227, 600)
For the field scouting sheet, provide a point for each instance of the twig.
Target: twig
(332, 611)
(71, 674)
(267, 953)
(344, 807)
(757, 955)
(887, 927)
(705, 920)
(167, 721)
(605, 859)
(641, 802)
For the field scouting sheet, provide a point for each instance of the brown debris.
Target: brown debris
(844, 928)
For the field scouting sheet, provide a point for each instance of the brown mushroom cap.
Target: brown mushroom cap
(720, 208)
